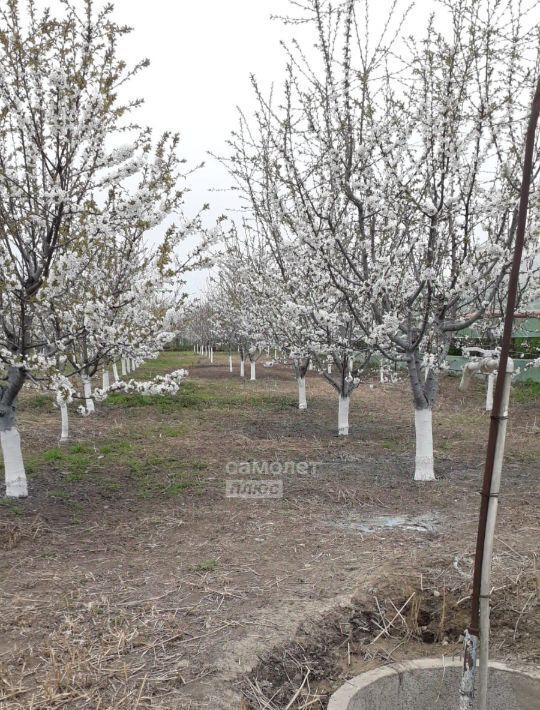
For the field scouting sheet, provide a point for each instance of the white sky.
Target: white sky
(202, 53)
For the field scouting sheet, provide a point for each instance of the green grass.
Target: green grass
(164, 476)
(206, 566)
(115, 447)
(193, 395)
(526, 391)
(145, 473)
(391, 445)
(74, 461)
(37, 402)
(172, 431)
(59, 494)
(140, 461)
(168, 361)
(163, 403)
(10, 507)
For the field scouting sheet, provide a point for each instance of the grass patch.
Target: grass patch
(58, 494)
(172, 431)
(10, 506)
(391, 445)
(129, 401)
(206, 566)
(116, 447)
(526, 391)
(74, 460)
(109, 485)
(36, 402)
(118, 465)
(158, 476)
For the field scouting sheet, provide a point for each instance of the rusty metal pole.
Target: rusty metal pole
(473, 632)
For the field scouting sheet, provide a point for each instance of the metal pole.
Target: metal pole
(469, 663)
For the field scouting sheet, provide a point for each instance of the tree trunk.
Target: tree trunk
(211, 356)
(16, 485)
(302, 401)
(89, 402)
(230, 363)
(424, 391)
(115, 372)
(124, 369)
(64, 436)
(253, 372)
(489, 393)
(242, 372)
(343, 415)
(10, 440)
(423, 421)
(106, 380)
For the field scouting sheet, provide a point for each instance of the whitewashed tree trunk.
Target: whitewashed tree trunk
(489, 393)
(89, 402)
(253, 371)
(133, 365)
(343, 415)
(275, 353)
(381, 374)
(15, 475)
(310, 366)
(115, 372)
(329, 369)
(124, 370)
(64, 436)
(106, 380)
(211, 356)
(230, 363)
(423, 421)
(302, 400)
(242, 370)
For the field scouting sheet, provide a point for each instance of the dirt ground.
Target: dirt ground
(129, 580)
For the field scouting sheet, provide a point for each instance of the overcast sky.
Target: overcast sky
(202, 53)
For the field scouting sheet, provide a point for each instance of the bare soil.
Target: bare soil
(129, 580)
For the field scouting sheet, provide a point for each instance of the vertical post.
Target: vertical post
(469, 661)
(485, 582)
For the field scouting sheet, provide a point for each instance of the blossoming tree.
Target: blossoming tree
(65, 190)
